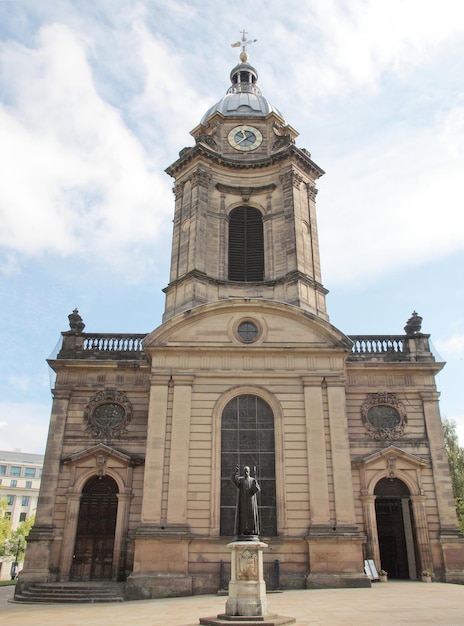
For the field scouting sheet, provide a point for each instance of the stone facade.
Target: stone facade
(355, 459)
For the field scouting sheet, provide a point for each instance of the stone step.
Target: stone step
(72, 592)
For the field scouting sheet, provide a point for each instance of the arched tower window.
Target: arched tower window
(246, 245)
(247, 438)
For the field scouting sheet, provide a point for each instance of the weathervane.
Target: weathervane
(243, 43)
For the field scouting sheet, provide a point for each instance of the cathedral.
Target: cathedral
(342, 432)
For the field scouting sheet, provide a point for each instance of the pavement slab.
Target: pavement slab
(394, 602)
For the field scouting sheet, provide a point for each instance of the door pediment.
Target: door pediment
(99, 455)
(391, 453)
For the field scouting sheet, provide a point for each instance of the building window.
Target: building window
(246, 245)
(384, 416)
(15, 470)
(10, 500)
(247, 331)
(22, 517)
(29, 472)
(8, 514)
(247, 438)
(40, 472)
(28, 484)
(13, 483)
(25, 501)
(2, 470)
(108, 413)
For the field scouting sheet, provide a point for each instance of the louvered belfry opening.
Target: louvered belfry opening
(246, 245)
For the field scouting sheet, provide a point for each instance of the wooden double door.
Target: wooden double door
(94, 545)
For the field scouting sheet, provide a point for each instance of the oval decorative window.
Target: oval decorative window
(107, 414)
(384, 416)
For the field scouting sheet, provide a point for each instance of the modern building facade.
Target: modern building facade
(343, 432)
(20, 476)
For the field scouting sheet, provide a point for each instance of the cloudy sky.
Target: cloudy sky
(96, 100)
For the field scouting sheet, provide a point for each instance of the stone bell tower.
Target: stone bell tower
(245, 216)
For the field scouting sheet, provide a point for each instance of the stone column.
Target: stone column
(41, 559)
(122, 521)
(200, 180)
(422, 532)
(409, 538)
(370, 520)
(441, 475)
(154, 462)
(69, 534)
(341, 461)
(179, 455)
(316, 446)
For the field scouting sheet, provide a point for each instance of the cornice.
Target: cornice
(290, 152)
(245, 192)
(291, 277)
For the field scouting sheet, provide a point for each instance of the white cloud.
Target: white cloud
(77, 180)
(452, 347)
(381, 201)
(24, 426)
(342, 46)
(169, 105)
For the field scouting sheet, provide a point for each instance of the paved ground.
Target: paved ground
(397, 603)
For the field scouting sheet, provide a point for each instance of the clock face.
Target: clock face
(245, 138)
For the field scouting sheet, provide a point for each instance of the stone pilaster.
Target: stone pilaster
(180, 444)
(69, 534)
(41, 557)
(370, 521)
(422, 532)
(154, 463)
(341, 460)
(441, 475)
(317, 454)
(122, 521)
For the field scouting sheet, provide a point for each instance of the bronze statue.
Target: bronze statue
(246, 512)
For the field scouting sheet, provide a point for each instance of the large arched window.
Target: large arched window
(247, 438)
(246, 245)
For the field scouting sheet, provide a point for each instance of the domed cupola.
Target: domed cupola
(244, 97)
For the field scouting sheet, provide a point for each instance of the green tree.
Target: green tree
(15, 544)
(5, 526)
(456, 464)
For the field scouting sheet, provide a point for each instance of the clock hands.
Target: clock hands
(246, 134)
(245, 138)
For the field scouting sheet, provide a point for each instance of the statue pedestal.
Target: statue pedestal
(247, 601)
(247, 589)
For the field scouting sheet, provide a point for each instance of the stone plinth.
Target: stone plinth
(247, 589)
(247, 601)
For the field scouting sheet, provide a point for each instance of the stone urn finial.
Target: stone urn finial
(75, 322)
(413, 325)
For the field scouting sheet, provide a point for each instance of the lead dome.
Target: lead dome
(243, 98)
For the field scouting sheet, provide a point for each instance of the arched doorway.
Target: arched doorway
(395, 528)
(94, 545)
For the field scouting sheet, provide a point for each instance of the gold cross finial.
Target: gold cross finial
(243, 44)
